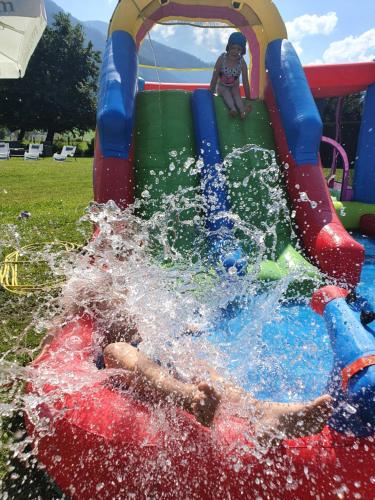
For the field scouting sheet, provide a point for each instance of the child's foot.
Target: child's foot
(204, 403)
(232, 113)
(291, 421)
(245, 112)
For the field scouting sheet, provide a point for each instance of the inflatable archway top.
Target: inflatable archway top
(259, 21)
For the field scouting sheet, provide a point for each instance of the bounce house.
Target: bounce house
(105, 442)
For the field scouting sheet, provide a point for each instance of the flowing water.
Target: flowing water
(189, 312)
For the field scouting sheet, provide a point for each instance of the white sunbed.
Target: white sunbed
(35, 150)
(66, 152)
(4, 151)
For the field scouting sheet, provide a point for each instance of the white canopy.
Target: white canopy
(22, 23)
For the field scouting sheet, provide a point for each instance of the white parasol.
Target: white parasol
(22, 23)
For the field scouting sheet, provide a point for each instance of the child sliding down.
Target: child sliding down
(226, 76)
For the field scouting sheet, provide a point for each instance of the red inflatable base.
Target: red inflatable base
(97, 442)
(367, 224)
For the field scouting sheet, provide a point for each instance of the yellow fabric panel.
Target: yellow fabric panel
(128, 18)
(263, 42)
(270, 17)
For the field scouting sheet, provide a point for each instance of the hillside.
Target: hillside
(96, 32)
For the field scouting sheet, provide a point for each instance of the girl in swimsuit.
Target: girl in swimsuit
(226, 76)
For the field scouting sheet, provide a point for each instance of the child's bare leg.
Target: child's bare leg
(226, 94)
(239, 102)
(237, 99)
(278, 421)
(154, 383)
(275, 421)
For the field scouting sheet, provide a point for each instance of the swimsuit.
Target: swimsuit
(228, 75)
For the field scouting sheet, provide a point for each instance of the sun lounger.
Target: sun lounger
(4, 151)
(66, 152)
(35, 150)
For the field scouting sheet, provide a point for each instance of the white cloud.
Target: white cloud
(313, 24)
(352, 49)
(163, 31)
(213, 39)
(309, 25)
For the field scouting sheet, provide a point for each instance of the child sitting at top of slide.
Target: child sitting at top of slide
(226, 76)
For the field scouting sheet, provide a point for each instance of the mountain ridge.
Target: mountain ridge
(150, 51)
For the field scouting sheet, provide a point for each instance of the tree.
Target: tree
(58, 91)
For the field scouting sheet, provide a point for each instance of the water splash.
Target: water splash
(133, 272)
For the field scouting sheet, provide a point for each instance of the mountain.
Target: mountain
(96, 32)
(92, 32)
(100, 26)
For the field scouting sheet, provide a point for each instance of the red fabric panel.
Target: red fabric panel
(325, 239)
(113, 178)
(103, 443)
(334, 80)
(324, 295)
(367, 224)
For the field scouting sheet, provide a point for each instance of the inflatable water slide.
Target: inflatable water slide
(105, 441)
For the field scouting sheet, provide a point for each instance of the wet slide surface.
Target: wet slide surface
(165, 157)
(164, 153)
(257, 190)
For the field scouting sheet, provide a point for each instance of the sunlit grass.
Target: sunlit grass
(55, 194)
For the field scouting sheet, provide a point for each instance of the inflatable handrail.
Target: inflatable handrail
(300, 117)
(116, 107)
(352, 380)
(345, 190)
(364, 172)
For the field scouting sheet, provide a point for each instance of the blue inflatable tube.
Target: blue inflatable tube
(300, 116)
(364, 172)
(351, 342)
(118, 84)
(224, 245)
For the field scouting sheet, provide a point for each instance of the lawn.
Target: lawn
(55, 194)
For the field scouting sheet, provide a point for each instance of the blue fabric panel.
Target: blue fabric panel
(214, 187)
(141, 84)
(364, 173)
(351, 341)
(118, 81)
(224, 246)
(300, 116)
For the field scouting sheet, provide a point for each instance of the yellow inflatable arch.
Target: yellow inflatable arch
(258, 20)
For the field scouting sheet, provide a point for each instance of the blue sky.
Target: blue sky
(322, 31)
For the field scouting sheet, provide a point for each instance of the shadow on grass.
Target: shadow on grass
(26, 479)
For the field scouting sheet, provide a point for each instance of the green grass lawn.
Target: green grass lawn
(55, 194)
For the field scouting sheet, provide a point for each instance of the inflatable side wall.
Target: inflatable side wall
(114, 162)
(364, 173)
(353, 376)
(298, 130)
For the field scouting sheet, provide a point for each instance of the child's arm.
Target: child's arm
(215, 75)
(245, 80)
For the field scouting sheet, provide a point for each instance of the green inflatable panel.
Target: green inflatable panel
(350, 212)
(165, 165)
(165, 162)
(257, 191)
